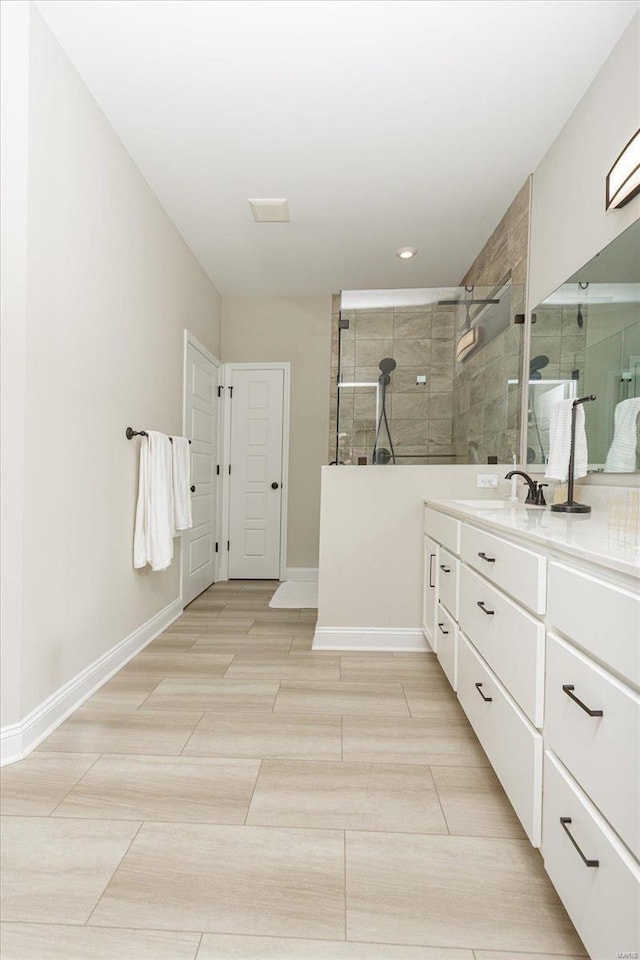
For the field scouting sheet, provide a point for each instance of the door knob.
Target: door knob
(274, 485)
(193, 489)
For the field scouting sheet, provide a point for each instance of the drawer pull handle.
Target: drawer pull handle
(565, 821)
(489, 613)
(445, 569)
(432, 557)
(479, 689)
(442, 629)
(483, 556)
(568, 689)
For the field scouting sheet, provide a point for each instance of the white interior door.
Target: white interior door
(256, 462)
(199, 543)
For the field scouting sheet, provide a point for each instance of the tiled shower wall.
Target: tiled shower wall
(420, 339)
(486, 407)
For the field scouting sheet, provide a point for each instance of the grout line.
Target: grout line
(344, 854)
(275, 699)
(99, 757)
(117, 867)
(150, 694)
(188, 740)
(195, 956)
(253, 792)
(435, 787)
(341, 738)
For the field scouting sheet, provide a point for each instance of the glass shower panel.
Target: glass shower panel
(428, 376)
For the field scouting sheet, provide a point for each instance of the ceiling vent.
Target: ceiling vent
(270, 211)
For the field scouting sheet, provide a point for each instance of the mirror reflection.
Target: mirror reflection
(585, 339)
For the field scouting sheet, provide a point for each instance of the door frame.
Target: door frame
(191, 339)
(227, 371)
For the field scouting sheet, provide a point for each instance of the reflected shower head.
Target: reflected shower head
(387, 365)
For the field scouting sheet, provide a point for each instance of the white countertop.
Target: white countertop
(607, 537)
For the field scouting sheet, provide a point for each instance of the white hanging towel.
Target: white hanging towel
(181, 484)
(622, 452)
(560, 442)
(153, 538)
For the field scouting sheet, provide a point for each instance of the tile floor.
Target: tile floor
(231, 795)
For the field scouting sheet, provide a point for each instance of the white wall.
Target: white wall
(569, 224)
(14, 93)
(110, 287)
(297, 329)
(371, 540)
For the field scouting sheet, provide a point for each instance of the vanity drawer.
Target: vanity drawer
(510, 742)
(603, 619)
(442, 528)
(602, 753)
(602, 901)
(447, 631)
(509, 639)
(521, 573)
(448, 573)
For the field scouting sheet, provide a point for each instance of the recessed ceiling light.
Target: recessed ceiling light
(270, 211)
(406, 253)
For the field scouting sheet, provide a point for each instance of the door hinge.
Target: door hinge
(216, 546)
(230, 391)
(219, 391)
(228, 545)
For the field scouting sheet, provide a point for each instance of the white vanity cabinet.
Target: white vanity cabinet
(429, 589)
(542, 645)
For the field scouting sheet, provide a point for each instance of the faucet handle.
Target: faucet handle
(540, 500)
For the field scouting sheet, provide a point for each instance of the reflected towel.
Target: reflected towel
(153, 537)
(181, 484)
(622, 452)
(560, 442)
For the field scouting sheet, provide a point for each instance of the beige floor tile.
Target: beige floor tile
(141, 731)
(268, 736)
(172, 641)
(474, 803)
(363, 699)
(501, 955)
(123, 693)
(55, 870)
(341, 796)
(282, 629)
(34, 941)
(227, 627)
(436, 702)
(167, 663)
(220, 947)
(219, 696)
(252, 646)
(35, 786)
(453, 891)
(407, 740)
(376, 670)
(164, 788)
(415, 655)
(250, 880)
(284, 667)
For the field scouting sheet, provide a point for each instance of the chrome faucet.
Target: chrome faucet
(536, 493)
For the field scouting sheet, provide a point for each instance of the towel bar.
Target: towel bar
(131, 433)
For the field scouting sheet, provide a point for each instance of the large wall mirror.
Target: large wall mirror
(585, 339)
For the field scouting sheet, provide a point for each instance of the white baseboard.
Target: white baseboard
(392, 639)
(302, 573)
(19, 739)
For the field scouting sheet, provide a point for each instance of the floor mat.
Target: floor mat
(293, 594)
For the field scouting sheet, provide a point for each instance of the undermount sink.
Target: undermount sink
(487, 504)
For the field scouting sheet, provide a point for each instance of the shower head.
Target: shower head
(536, 364)
(387, 365)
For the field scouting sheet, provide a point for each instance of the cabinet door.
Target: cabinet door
(429, 590)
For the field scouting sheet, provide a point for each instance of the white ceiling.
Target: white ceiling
(385, 123)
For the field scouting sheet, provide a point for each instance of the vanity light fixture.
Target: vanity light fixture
(406, 253)
(623, 180)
